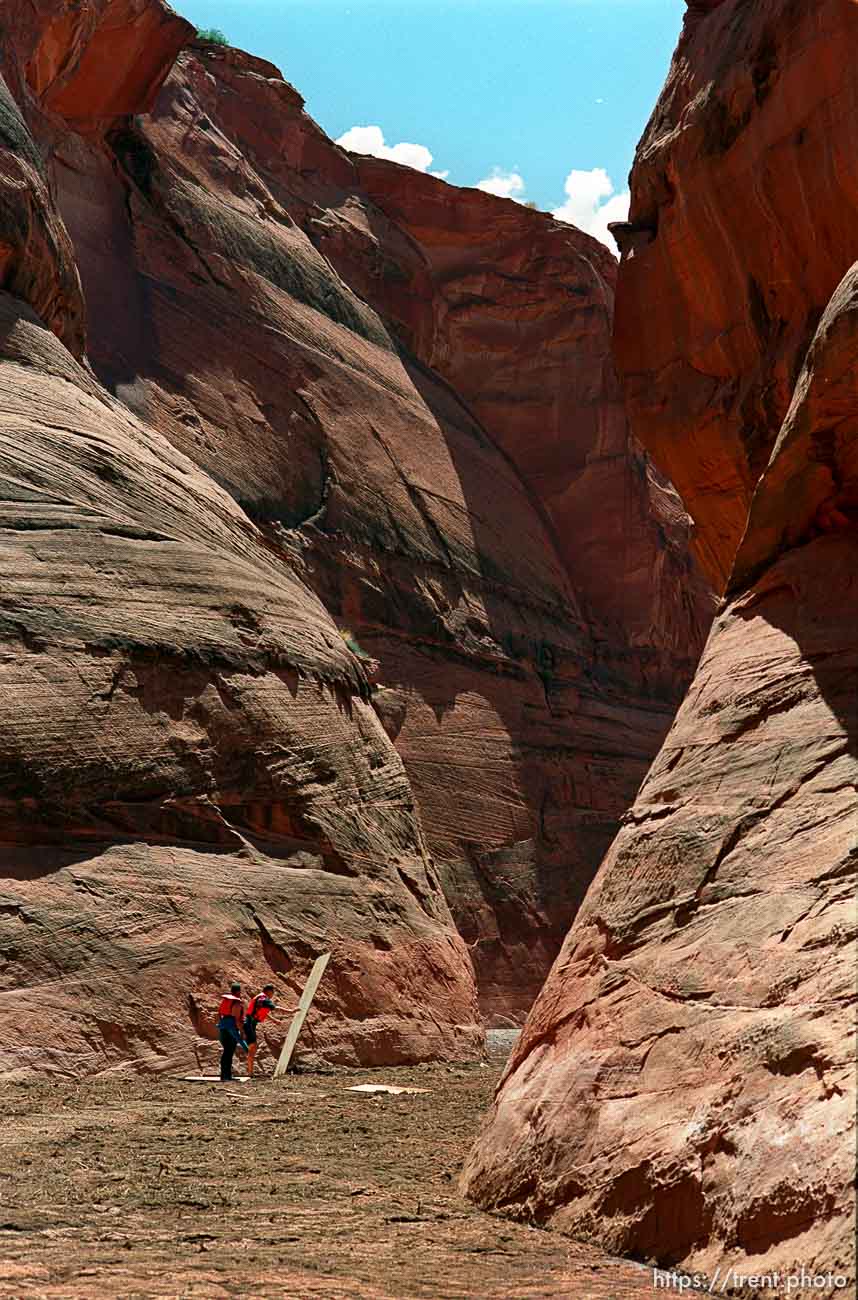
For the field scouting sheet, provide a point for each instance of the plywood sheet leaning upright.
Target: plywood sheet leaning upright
(301, 1014)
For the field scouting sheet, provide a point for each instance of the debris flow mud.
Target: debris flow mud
(152, 1187)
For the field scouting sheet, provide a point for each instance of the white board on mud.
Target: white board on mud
(390, 1088)
(211, 1078)
(301, 1014)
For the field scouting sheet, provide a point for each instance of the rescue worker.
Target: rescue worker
(259, 1008)
(230, 1029)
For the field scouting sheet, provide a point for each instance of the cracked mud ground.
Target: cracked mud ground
(150, 1187)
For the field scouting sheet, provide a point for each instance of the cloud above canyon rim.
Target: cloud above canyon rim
(592, 202)
(591, 198)
(370, 139)
(506, 185)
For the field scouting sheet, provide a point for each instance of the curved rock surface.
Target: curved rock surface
(193, 781)
(269, 304)
(36, 257)
(810, 486)
(326, 379)
(516, 311)
(744, 203)
(684, 1089)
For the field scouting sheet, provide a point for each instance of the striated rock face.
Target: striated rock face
(684, 1089)
(320, 344)
(685, 1086)
(193, 781)
(36, 256)
(744, 202)
(516, 313)
(810, 487)
(304, 392)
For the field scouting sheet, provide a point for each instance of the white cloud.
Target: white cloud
(370, 139)
(591, 202)
(591, 198)
(506, 185)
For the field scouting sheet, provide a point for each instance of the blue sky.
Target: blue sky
(542, 100)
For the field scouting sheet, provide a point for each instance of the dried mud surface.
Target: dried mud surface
(131, 1187)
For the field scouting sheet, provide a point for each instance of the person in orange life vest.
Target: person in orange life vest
(259, 1008)
(230, 1029)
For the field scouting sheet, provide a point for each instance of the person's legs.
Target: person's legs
(250, 1035)
(227, 1042)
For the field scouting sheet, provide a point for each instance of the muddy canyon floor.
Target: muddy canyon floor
(292, 1187)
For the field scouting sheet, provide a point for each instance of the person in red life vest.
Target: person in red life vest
(259, 1008)
(230, 1029)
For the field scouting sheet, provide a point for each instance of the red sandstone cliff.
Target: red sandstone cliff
(684, 1089)
(407, 390)
(744, 200)
(194, 781)
(312, 337)
(516, 313)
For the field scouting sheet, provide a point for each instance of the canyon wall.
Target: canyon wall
(684, 1089)
(409, 389)
(259, 391)
(744, 200)
(194, 783)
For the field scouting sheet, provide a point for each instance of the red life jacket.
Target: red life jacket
(255, 1012)
(230, 1005)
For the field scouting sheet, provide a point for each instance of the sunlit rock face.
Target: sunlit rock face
(684, 1089)
(306, 398)
(516, 311)
(195, 784)
(409, 389)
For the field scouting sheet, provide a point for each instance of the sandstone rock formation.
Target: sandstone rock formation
(744, 199)
(194, 781)
(304, 378)
(36, 257)
(516, 313)
(409, 388)
(684, 1089)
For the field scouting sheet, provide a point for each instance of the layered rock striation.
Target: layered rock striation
(260, 392)
(744, 199)
(516, 312)
(409, 390)
(193, 781)
(684, 1089)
